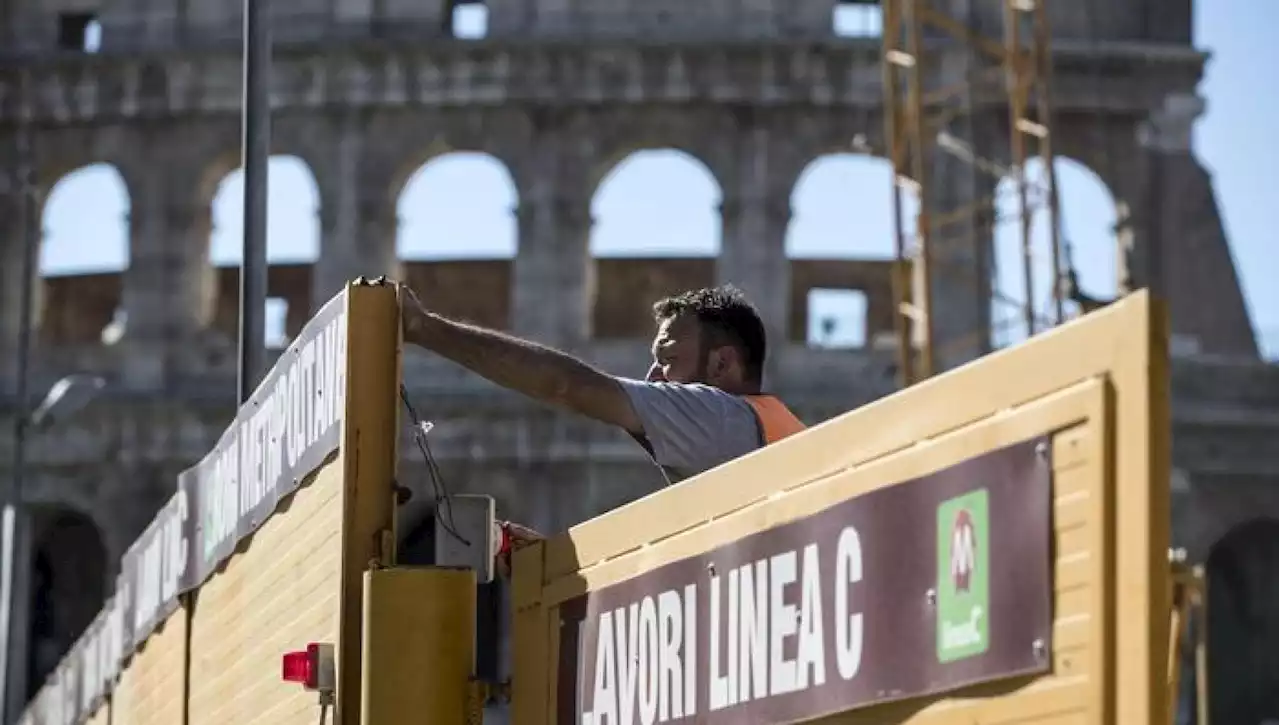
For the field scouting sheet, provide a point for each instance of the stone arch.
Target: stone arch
(1242, 609)
(84, 249)
(661, 206)
(68, 586)
(656, 181)
(293, 245)
(1087, 218)
(458, 205)
(502, 137)
(457, 234)
(709, 139)
(841, 244)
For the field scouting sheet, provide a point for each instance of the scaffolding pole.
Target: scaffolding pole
(904, 130)
(1043, 74)
(903, 311)
(915, 127)
(1188, 620)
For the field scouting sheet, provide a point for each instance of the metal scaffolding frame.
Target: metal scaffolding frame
(1188, 627)
(915, 117)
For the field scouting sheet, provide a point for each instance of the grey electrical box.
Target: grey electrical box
(464, 534)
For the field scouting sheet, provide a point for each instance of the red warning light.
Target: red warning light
(311, 668)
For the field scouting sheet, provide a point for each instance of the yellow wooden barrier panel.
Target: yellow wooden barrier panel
(263, 548)
(1093, 392)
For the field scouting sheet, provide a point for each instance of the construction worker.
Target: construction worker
(699, 406)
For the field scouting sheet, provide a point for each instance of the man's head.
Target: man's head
(712, 336)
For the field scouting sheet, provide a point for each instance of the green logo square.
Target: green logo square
(963, 576)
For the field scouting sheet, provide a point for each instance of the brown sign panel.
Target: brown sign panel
(914, 589)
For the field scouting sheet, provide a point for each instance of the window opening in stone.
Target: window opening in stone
(79, 31)
(657, 203)
(468, 20)
(293, 237)
(82, 255)
(93, 36)
(459, 205)
(293, 223)
(657, 218)
(457, 234)
(275, 317)
(857, 19)
(1087, 226)
(842, 208)
(837, 318)
(86, 223)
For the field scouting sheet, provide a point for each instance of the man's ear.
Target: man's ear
(721, 359)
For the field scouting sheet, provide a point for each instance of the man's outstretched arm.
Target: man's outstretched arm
(537, 371)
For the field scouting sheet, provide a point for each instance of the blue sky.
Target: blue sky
(659, 202)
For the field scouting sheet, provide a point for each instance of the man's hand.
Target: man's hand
(413, 315)
(521, 536)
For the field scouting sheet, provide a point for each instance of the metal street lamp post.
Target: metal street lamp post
(12, 493)
(256, 142)
(65, 398)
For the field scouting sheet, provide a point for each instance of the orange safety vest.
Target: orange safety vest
(776, 420)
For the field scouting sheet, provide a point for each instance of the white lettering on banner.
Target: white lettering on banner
(147, 587)
(753, 632)
(293, 418)
(175, 547)
(848, 626)
(965, 634)
(768, 637)
(645, 671)
(308, 368)
(261, 450)
(223, 479)
(89, 677)
(93, 657)
(116, 625)
(811, 655)
(66, 686)
(161, 557)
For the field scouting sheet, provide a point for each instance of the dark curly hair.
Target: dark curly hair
(725, 317)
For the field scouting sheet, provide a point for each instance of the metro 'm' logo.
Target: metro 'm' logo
(963, 550)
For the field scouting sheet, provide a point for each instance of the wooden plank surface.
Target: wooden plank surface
(276, 595)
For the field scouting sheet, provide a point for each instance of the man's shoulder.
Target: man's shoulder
(692, 427)
(692, 393)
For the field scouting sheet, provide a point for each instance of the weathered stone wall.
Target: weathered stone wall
(560, 91)
(76, 309)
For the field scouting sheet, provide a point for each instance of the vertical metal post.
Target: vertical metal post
(256, 126)
(912, 17)
(12, 621)
(1044, 109)
(1202, 646)
(893, 121)
(1015, 78)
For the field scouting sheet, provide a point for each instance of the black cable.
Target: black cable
(438, 487)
